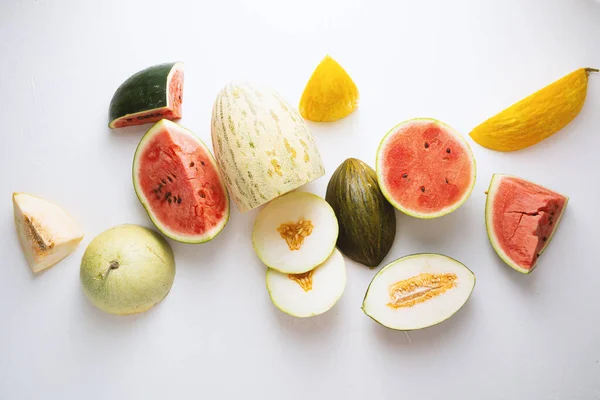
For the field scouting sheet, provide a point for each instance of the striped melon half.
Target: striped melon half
(262, 145)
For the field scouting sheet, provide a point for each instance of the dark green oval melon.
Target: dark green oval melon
(521, 218)
(148, 96)
(177, 181)
(367, 221)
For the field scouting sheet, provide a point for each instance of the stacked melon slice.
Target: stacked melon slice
(295, 236)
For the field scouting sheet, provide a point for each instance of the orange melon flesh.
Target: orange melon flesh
(522, 217)
(180, 183)
(425, 168)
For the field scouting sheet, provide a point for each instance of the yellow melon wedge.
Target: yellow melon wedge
(537, 116)
(330, 93)
(46, 232)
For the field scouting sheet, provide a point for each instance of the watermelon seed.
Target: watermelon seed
(426, 145)
(448, 150)
(201, 162)
(169, 178)
(544, 238)
(179, 200)
(405, 176)
(201, 194)
(550, 223)
(169, 200)
(174, 176)
(163, 181)
(446, 179)
(167, 195)
(192, 164)
(423, 189)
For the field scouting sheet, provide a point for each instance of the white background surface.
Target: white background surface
(217, 335)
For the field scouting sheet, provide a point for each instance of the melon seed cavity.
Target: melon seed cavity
(304, 280)
(419, 289)
(294, 233)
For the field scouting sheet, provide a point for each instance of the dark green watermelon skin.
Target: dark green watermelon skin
(142, 98)
(367, 220)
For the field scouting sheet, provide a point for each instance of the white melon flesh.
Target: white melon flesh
(311, 293)
(418, 291)
(295, 232)
(46, 232)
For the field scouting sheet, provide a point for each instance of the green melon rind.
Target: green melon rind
(151, 76)
(310, 268)
(489, 216)
(415, 256)
(413, 213)
(191, 239)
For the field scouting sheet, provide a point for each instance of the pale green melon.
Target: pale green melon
(262, 145)
(127, 269)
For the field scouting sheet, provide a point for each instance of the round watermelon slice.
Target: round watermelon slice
(521, 218)
(177, 181)
(425, 168)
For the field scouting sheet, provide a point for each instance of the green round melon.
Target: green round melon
(179, 184)
(425, 168)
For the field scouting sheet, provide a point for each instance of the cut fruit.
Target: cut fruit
(295, 232)
(521, 218)
(536, 117)
(418, 291)
(425, 168)
(311, 293)
(47, 233)
(177, 181)
(330, 93)
(148, 96)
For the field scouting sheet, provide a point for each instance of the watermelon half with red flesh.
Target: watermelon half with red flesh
(177, 181)
(521, 218)
(425, 168)
(148, 96)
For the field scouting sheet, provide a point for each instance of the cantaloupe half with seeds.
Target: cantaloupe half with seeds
(310, 293)
(418, 291)
(46, 232)
(295, 232)
(425, 168)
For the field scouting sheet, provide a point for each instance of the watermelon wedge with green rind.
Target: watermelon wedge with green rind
(148, 96)
(521, 218)
(425, 168)
(179, 184)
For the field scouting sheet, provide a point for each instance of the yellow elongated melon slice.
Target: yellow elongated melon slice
(46, 232)
(536, 117)
(330, 93)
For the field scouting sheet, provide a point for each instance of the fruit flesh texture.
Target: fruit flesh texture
(525, 216)
(330, 94)
(181, 184)
(426, 168)
(144, 100)
(537, 116)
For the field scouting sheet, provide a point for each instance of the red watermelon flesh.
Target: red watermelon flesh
(425, 168)
(179, 184)
(521, 218)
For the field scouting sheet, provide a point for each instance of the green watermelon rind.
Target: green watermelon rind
(162, 74)
(190, 239)
(413, 213)
(491, 194)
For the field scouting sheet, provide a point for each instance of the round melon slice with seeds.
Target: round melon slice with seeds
(295, 232)
(425, 168)
(310, 293)
(177, 181)
(418, 291)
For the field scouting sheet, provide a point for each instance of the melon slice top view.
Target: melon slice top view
(177, 180)
(425, 168)
(521, 219)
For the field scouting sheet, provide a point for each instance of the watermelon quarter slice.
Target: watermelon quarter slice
(521, 218)
(177, 181)
(425, 168)
(148, 96)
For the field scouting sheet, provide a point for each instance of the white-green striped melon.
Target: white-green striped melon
(262, 145)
